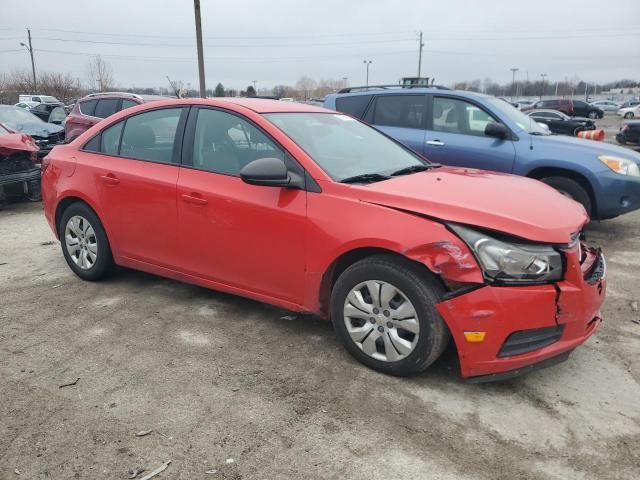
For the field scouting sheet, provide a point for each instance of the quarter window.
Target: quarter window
(151, 135)
(405, 111)
(225, 143)
(88, 107)
(458, 116)
(353, 105)
(110, 139)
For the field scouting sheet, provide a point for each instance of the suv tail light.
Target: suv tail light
(44, 164)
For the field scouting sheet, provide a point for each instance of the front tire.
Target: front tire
(84, 242)
(628, 115)
(577, 130)
(383, 311)
(572, 189)
(592, 114)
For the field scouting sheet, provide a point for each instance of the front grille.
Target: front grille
(526, 341)
(15, 164)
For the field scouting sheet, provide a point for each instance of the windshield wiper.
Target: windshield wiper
(414, 169)
(366, 178)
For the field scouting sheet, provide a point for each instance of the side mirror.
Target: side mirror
(496, 130)
(269, 172)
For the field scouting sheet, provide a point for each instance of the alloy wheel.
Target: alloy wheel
(381, 320)
(81, 242)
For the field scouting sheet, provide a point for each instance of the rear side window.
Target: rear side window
(128, 104)
(106, 107)
(354, 105)
(150, 135)
(406, 111)
(88, 107)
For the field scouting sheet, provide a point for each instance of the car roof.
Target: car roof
(412, 91)
(261, 105)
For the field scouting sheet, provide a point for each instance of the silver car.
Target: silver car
(606, 105)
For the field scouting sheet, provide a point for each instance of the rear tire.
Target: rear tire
(572, 189)
(377, 324)
(84, 242)
(628, 115)
(592, 114)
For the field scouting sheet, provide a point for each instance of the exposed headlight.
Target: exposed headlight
(621, 165)
(511, 262)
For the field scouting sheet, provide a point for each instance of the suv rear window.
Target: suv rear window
(88, 107)
(106, 107)
(354, 105)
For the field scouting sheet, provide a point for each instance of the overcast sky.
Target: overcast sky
(277, 41)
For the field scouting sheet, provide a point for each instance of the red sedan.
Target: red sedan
(313, 211)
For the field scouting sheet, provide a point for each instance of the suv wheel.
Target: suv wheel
(383, 311)
(570, 188)
(84, 243)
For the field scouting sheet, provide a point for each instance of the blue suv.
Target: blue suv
(479, 131)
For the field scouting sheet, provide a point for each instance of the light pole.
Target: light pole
(196, 8)
(367, 63)
(543, 75)
(33, 63)
(513, 80)
(344, 82)
(420, 54)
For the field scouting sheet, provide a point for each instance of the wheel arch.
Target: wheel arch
(543, 172)
(348, 258)
(64, 202)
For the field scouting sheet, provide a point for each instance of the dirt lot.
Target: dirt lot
(219, 377)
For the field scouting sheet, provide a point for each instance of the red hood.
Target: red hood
(519, 206)
(18, 142)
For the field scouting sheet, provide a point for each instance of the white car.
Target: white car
(28, 105)
(38, 99)
(606, 105)
(629, 112)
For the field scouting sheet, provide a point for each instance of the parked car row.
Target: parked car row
(572, 108)
(560, 123)
(313, 210)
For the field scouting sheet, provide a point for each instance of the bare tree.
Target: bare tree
(305, 85)
(99, 72)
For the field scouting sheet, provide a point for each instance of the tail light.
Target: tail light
(44, 164)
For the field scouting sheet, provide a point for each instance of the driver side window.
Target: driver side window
(458, 116)
(225, 143)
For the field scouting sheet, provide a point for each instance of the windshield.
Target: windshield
(344, 147)
(17, 115)
(523, 121)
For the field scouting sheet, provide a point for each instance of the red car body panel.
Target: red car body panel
(281, 245)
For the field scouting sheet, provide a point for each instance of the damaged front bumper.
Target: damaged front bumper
(527, 326)
(19, 177)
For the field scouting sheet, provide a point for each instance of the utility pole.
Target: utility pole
(513, 79)
(420, 55)
(543, 75)
(344, 82)
(367, 63)
(196, 7)
(254, 85)
(33, 63)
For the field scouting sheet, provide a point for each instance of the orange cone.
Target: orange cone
(597, 135)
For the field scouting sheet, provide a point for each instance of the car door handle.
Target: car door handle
(435, 143)
(110, 179)
(194, 199)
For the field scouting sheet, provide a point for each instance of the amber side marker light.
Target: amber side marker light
(474, 337)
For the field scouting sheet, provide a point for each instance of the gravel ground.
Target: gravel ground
(243, 390)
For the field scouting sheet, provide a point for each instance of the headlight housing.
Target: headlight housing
(512, 262)
(623, 166)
